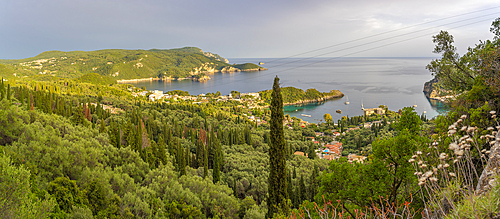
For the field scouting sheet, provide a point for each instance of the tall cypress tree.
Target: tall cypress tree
(277, 190)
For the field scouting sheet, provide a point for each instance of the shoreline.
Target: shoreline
(317, 100)
(201, 79)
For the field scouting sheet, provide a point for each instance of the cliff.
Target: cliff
(433, 90)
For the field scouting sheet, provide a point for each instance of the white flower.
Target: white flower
(420, 162)
(421, 183)
(411, 160)
(484, 150)
(419, 152)
(414, 156)
(488, 152)
(446, 165)
(493, 112)
(492, 142)
(423, 166)
(451, 132)
(442, 156)
(433, 179)
(470, 140)
(451, 127)
(494, 116)
(428, 174)
(440, 166)
(470, 129)
(434, 143)
(459, 120)
(452, 174)
(463, 116)
(453, 146)
(498, 127)
(490, 129)
(463, 128)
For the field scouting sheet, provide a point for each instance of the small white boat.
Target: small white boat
(305, 115)
(347, 100)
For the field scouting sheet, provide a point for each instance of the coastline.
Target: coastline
(321, 99)
(201, 79)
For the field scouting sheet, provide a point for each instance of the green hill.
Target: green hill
(120, 64)
(292, 95)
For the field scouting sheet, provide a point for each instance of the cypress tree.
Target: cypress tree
(215, 170)
(313, 187)
(277, 181)
(303, 191)
(205, 163)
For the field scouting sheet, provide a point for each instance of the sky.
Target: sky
(244, 29)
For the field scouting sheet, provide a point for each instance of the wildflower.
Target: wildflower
(498, 127)
(463, 128)
(442, 156)
(434, 169)
(440, 166)
(470, 140)
(414, 156)
(420, 162)
(488, 152)
(484, 150)
(433, 179)
(435, 143)
(419, 152)
(452, 174)
(490, 129)
(463, 116)
(428, 174)
(470, 129)
(455, 161)
(459, 120)
(446, 165)
(492, 142)
(421, 183)
(451, 132)
(453, 146)
(411, 160)
(493, 112)
(494, 116)
(423, 166)
(451, 127)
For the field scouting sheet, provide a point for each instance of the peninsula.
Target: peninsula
(124, 66)
(296, 96)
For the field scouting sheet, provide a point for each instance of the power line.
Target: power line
(383, 33)
(376, 41)
(346, 55)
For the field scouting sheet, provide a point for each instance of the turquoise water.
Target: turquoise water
(395, 82)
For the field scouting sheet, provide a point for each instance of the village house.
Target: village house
(370, 111)
(357, 158)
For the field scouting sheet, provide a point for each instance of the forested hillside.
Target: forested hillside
(89, 148)
(122, 64)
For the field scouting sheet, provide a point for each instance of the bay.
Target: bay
(395, 82)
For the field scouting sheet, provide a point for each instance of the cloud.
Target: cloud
(231, 28)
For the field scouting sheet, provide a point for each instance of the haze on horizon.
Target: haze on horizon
(235, 29)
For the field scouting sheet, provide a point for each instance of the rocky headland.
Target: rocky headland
(434, 91)
(335, 94)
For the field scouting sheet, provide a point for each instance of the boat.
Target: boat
(305, 115)
(415, 106)
(347, 100)
(261, 63)
(339, 111)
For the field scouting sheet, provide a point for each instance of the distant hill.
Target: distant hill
(119, 64)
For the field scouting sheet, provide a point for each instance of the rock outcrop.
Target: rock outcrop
(434, 91)
(229, 69)
(488, 177)
(217, 57)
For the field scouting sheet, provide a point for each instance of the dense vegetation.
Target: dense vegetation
(294, 95)
(85, 149)
(120, 64)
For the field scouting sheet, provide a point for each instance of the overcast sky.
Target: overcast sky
(241, 29)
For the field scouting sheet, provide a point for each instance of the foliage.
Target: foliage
(293, 95)
(277, 181)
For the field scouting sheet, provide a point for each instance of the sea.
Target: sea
(368, 82)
